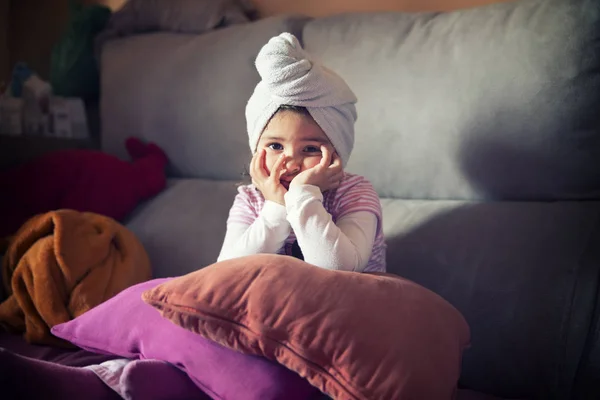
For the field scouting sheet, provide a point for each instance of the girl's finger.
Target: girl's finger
(277, 170)
(334, 185)
(259, 165)
(262, 164)
(253, 164)
(336, 161)
(326, 156)
(337, 176)
(252, 170)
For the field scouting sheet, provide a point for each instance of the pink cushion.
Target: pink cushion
(128, 327)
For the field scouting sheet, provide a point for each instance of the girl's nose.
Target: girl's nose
(292, 164)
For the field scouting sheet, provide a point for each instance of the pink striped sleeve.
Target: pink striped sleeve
(357, 194)
(243, 211)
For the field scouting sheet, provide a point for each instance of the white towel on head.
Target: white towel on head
(289, 76)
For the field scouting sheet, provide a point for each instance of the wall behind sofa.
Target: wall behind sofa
(318, 8)
(35, 25)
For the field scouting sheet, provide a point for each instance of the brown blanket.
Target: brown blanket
(63, 263)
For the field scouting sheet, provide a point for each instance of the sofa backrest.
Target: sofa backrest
(496, 102)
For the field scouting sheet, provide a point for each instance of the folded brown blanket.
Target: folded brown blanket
(63, 263)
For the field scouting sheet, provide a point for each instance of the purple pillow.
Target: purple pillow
(128, 327)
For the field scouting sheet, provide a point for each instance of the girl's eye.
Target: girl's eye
(312, 149)
(275, 146)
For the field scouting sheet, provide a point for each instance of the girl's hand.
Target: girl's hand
(268, 184)
(326, 175)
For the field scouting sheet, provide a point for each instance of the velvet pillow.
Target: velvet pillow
(354, 336)
(128, 327)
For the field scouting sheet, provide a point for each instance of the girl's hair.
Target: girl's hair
(284, 107)
(297, 109)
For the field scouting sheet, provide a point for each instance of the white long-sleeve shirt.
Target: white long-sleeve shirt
(340, 229)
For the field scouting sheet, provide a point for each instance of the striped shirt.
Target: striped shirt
(355, 194)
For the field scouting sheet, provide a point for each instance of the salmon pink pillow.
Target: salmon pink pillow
(353, 336)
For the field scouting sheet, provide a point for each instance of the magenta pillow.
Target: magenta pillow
(128, 327)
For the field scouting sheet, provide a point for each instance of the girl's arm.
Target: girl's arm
(247, 235)
(346, 246)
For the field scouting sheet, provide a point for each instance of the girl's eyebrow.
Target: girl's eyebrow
(275, 138)
(308, 139)
(315, 139)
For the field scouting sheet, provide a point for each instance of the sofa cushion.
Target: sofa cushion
(524, 275)
(187, 93)
(183, 228)
(494, 102)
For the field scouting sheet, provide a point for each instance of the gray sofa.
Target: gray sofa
(479, 129)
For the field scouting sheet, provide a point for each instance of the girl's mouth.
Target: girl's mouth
(285, 184)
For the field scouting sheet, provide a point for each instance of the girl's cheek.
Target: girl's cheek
(311, 162)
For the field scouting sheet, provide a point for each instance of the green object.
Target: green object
(74, 69)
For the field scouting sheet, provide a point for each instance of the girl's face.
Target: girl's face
(298, 137)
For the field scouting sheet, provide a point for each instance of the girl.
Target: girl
(301, 203)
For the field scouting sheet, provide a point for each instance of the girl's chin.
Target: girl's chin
(285, 184)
